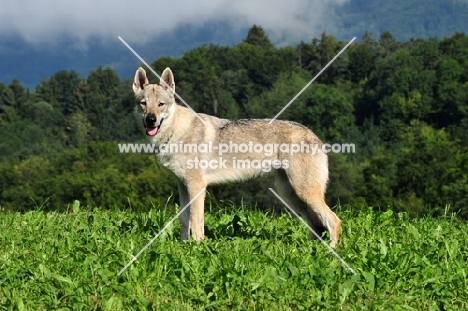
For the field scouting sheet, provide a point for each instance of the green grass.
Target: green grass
(250, 261)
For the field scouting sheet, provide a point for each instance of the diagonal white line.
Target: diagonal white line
(151, 69)
(160, 232)
(312, 230)
(311, 81)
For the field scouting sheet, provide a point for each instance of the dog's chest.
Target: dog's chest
(170, 163)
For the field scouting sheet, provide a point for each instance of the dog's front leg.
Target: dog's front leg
(185, 216)
(197, 209)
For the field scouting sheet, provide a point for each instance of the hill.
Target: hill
(404, 19)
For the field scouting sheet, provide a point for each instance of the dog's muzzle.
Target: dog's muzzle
(151, 124)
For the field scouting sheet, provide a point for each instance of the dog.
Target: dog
(209, 150)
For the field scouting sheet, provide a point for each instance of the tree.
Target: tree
(102, 99)
(387, 44)
(7, 105)
(80, 98)
(323, 108)
(80, 128)
(362, 58)
(257, 36)
(428, 161)
(44, 92)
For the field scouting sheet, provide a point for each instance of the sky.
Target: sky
(39, 38)
(47, 21)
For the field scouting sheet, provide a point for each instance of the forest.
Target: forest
(403, 104)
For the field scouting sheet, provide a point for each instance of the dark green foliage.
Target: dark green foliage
(403, 105)
(257, 36)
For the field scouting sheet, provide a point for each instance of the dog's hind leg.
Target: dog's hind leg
(185, 216)
(287, 193)
(319, 212)
(309, 183)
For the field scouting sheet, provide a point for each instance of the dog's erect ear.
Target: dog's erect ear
(140, 80)
(168, 78)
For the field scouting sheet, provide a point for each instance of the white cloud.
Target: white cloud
(46, 20)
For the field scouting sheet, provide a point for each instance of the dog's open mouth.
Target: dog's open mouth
(151, 131)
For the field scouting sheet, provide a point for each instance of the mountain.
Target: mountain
(29, 63)
(405, 19)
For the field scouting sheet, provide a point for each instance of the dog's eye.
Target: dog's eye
(143, 103)
(161, 104)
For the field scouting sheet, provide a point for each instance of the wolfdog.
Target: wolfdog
(215, 151)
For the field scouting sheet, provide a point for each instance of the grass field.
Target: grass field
(250, 261)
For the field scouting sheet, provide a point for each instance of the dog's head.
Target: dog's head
(155, 99)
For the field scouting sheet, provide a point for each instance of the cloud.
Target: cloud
(46, 21)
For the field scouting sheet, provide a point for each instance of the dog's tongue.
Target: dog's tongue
(151, 131)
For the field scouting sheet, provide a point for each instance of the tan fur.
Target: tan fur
(302, 184)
